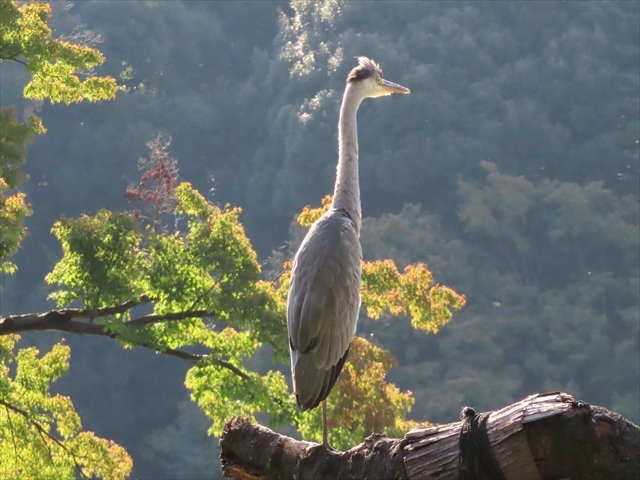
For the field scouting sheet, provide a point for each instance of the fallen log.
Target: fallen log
(543, 437)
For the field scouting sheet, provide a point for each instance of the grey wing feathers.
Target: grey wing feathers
(323, 305)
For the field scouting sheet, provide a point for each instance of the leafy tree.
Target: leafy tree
(42, 434)
(13, 210)
(199, 272)
(54, 66)
(30, 416)
(14, 138)
(203, 283)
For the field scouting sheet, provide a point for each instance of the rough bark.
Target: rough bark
(253, 452)
(543, 437)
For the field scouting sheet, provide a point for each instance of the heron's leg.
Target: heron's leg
(325, 440)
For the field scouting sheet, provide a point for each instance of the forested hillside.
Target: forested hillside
(511, 170)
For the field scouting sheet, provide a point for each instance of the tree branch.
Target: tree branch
(53, 318)
(195, 358)
(154, 318)
(13, 58)
(123, 307)
(543, 437)
(64, 320)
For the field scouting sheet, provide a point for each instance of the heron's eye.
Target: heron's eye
(378, 80)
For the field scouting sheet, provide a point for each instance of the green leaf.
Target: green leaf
(42, 434)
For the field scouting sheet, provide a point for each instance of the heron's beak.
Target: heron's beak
(393, 87)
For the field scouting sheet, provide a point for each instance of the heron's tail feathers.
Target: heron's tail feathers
(312, 385)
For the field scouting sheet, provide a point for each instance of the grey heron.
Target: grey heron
(324, 294)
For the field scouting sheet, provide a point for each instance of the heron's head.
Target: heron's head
(368, 75)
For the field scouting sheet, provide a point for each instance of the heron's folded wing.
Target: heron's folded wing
(324, 296)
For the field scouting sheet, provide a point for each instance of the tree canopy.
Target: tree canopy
(200, 278)
(43, 433)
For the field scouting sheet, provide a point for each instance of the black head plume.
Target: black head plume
(365, 69)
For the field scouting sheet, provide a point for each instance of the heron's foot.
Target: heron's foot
(326, 445)
(318, 446)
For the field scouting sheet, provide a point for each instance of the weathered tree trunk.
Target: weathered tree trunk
(543, 437)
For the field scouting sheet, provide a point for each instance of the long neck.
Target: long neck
(347, 191)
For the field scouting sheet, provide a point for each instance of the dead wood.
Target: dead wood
(543, 437)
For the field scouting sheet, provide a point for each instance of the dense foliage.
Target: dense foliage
(54, 66)
(550, 270)
(42, 434)
(30, 419)
(511, 171)
(203, 284)
(200, 271)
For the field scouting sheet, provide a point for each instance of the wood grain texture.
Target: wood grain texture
(542, 437)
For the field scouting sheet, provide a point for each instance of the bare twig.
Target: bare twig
(194, 358)
(13, 59)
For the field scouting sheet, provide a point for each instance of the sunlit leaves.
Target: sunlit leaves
(219, 248)
(217, 238)
(41, 434)
(310, 215)
(14, 138)
(303, 50)
(13, 210)
(222, 394)
(55, 65)
(412, 293)
(210, 267)
(99, 263)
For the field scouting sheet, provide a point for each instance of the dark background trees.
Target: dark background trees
(512, 171)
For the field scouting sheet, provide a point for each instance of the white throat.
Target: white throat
(346, 195)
